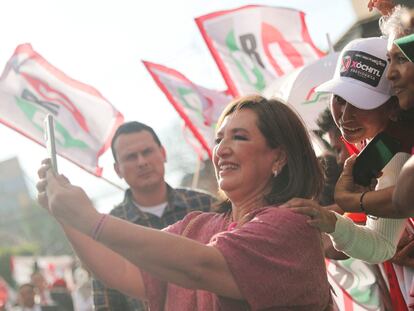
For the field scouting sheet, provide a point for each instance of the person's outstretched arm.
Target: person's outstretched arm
(170, 257)
(112, 269)
(375, 242)
(96, 257)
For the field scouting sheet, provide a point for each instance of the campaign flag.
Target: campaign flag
(199, 107)
(31, 88)
(253, 45)
(355, 285)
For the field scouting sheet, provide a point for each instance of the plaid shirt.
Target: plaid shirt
(180, 203)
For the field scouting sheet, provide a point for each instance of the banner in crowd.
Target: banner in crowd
(199, 107)
(253, 45)
(31, 88)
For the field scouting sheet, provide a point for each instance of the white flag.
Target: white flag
(199, 107)
(253, 45)
(30, 88)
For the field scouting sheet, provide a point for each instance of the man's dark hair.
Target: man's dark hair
(132, 127)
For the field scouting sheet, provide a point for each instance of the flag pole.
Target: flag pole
(330, 46)
(196, 175)
(111, 183)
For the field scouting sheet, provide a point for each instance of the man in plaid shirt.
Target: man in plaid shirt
(150, 201)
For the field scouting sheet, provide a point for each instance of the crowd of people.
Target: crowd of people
(39, 294)
(262, 242)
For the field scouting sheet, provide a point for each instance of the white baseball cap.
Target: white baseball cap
(361, 74)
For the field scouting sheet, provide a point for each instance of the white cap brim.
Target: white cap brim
(357, 95)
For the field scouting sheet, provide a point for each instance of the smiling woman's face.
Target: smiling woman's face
(242, 158)
(356, 124)
(401, 74)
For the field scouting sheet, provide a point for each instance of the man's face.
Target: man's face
(140, 161)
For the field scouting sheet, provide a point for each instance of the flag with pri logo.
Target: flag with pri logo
(253, 45)
(31, 88)
(199, 107)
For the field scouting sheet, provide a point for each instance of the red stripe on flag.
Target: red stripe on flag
(348, 302)
(411, 222)
(54, 96)
(29, 54)
(397, 299)
(306, 36)
(220, 63)
(27, 49)
(272, 35)
(119, 119)
(351, 148)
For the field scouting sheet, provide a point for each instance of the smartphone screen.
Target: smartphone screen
(374, 157)
(50, 141)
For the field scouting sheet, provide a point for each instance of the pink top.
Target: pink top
(276, 259)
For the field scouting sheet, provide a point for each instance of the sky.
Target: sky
(102, 43)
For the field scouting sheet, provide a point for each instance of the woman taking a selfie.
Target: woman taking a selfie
(252, 255)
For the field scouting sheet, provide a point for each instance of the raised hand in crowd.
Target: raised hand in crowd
(383, 6)
(59, 189)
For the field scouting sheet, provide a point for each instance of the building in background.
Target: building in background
(366, 24)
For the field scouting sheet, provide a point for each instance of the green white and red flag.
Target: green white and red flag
(253, 45)
(355, 285)
(199, 107)
(31, 88)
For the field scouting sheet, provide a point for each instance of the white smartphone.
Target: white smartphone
(50, 141)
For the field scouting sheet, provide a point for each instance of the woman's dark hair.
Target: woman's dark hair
(282, 127)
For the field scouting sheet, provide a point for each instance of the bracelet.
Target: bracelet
(361, 204)
(98, 227)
